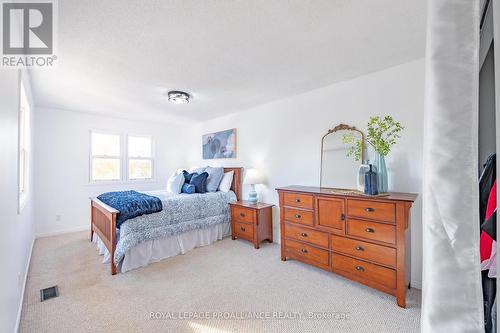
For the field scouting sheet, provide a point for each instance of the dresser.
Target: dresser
(365, 239)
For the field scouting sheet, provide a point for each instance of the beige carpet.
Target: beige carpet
(228, 278)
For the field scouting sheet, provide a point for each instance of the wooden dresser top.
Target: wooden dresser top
(395, 196)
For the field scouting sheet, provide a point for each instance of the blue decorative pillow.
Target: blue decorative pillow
(214, 178)
(200, 182)
(188, 188)
(188, 176)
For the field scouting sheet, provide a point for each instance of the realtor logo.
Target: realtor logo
(28, 31)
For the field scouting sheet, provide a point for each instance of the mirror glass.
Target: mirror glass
(337, 169)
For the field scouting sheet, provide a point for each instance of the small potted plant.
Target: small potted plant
(383, 133)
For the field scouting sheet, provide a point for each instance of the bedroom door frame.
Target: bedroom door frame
(496, 45)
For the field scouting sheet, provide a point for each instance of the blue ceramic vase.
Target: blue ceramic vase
(381, 172)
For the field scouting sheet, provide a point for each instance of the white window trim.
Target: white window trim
(91, 157)
(124, 160)
(152, 158)
(25, 150)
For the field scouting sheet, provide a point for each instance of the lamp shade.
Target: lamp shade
(253, 176)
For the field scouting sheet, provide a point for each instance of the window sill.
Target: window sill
(120, 182)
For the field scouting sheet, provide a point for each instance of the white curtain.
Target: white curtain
(452, 294)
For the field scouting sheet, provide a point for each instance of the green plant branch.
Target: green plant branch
(383, 133)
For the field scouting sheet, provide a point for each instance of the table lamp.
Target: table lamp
(253, 177)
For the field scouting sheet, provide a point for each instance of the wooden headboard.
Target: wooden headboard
(236, 185)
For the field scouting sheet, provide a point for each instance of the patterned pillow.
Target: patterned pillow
(188, 188)
(200, 182)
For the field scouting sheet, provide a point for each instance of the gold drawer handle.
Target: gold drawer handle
(297, 200)
(303, 234)
(297, 216)
(359, 248)
(360, 268)
(370, 230)
(242, 229)
(369, 209)
(242, 214)
(304, 251)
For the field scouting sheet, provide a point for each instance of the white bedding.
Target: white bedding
(158, 249)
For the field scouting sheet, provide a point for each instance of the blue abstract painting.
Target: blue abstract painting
(219, 145)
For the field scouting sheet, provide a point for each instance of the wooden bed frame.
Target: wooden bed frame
(103, 217)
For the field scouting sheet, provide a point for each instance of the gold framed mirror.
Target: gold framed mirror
(338, 170)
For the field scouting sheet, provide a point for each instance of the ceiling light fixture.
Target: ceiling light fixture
(178, 97)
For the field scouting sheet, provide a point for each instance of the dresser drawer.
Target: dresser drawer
(298, 200)
(240, 214)
(375, 273)
(301, 250)
(381, 211)
(377, 253)
(306, 235)
(299, 216)
(243, 230)
(381, 232)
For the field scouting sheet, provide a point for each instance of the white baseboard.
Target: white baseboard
(416, 284)
(46, 234)
(61, 232)
(19, 311)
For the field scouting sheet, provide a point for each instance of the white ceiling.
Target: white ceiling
(119, 58)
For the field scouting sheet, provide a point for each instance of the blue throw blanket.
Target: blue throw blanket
(131, 204)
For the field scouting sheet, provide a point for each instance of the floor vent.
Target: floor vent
(48, 293)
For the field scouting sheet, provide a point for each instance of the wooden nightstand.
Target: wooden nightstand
(253, 222)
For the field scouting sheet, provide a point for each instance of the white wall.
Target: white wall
(282, 138)
(17, 231)
(62, 165)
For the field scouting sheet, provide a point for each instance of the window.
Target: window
(106, 157)
(24, 146)
(140, 161)
(113, 158)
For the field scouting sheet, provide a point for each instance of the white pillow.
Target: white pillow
(175, 183)
(227, 180)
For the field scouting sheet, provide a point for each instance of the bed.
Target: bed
(186, 221)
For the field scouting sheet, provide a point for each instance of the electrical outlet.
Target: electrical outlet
(58, 218)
